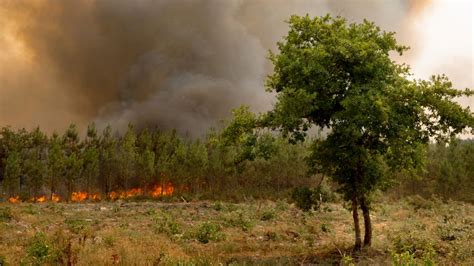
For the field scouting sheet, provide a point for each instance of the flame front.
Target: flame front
(55, 198)
(79, 196)
(14, 199)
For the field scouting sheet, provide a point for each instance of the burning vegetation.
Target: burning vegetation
(157, 191)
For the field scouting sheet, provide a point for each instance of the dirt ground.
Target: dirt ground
(210, 233)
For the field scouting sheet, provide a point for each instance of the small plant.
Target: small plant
(38, 249)
(268, 215)
(165, 223)
(208, 232)
(32, 209)
(325, 228)
(404, 258)
(239, 219)
(347, 260)
(78, 226)
(5, 214)
(3, 261)
(218, 206)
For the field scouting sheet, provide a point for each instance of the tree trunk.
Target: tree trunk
(367, 223)
(355, 216)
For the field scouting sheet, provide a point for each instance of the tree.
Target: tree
(90, 157)
(35, 164)
(72, 161)
(128, 157)
(55, 164)
(107, 160)
(339, 76)
(146, 158)
(11, 182)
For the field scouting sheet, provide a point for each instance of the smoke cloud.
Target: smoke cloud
(167, 63)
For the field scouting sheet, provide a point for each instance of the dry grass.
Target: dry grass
(269, 233)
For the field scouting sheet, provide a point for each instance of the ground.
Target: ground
(255, 232)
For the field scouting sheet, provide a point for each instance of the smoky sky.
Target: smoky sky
(168, 63)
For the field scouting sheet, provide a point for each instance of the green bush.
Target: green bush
(165, 223)
(306, 198)
(38, 249)
(268, 215)
(78, 226)
(208, 232)
(303, 198)
(238, 219)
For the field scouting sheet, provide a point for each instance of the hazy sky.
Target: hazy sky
(184, 64)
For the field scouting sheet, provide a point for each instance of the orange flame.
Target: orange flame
(39, 199)
(156, 192)
(15, 199)
(81, 196)
(55, 198)
(164, 190)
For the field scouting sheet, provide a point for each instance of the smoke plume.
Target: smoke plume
(172, 64)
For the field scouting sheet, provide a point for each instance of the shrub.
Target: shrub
(208, 232)
(303, 198)
(268, 215)
(239, 219)
(38, 249)
(306, 198)
(165, 223)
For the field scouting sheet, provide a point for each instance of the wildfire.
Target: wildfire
(38, 199)
(14, 199)
(155, 192)
(79, 196)
(164, 190)
(55, 198)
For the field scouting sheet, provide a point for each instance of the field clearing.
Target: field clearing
(203, 233)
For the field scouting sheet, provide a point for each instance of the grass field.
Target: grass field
(202, 233)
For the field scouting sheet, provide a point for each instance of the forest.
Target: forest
(155, 164)
(351, 135)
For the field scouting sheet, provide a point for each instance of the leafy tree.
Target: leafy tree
(335, 75)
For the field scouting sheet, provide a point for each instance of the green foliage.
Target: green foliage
(165, 223)
(303, 198)
(268, 214)
(240, 219)
(79, 226)
(38, 249)
(332, 74)
(306, 198)
(208, 232)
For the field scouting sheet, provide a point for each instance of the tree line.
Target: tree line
(33, 164)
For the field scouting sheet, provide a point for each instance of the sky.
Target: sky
(185, 64)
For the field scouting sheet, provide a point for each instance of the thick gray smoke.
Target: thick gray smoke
(167, 63)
